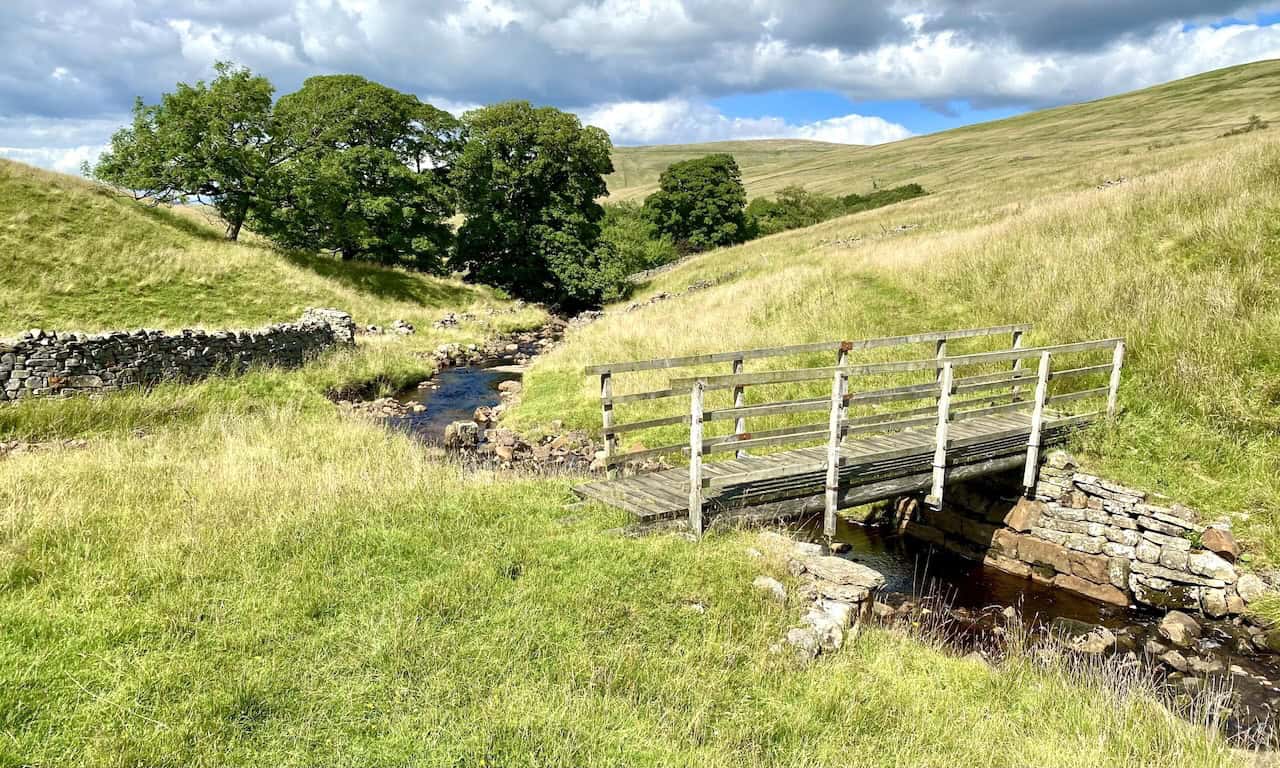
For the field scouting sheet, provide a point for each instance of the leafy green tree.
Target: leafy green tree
(700, 203)
(639, 247)
(527, 180)
(208, 140)
(793, 207)
(366, 175)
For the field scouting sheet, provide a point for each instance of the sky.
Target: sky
(648, 72)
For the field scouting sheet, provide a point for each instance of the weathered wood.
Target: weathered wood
(900, 366)
(1032, 469)
(739, 401)
(1014, 391)
(761, 442)
(1067, 397)
(798, 349)
(833, 450)
(656, 394)
(636, 426)
(695, 459)
(606, 420)
(708, 442)
(940, 435)
(1117, 360)
(619, 459)
(769, 409)
(885, 425)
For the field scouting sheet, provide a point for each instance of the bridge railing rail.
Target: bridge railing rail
(740, 412)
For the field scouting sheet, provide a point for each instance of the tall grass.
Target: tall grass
(287, 588)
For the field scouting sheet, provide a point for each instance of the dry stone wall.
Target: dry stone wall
(1083, 533)
(48, 364)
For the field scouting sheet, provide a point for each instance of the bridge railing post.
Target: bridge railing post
(606, 421)
(1113, 390)
(839, 385)
(1016, 394)
(695, 458)
(946, 384)
(1032, 469)
(739, 401)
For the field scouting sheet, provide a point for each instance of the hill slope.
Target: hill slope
(1074, 142)
(1182, 258)
(77, 256)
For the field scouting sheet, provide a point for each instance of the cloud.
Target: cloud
(679, 121)
(86, 61)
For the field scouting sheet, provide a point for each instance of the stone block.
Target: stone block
(1122, 536)
(1060, 513)
(1005, 542)
(1118, 572)
(1172, 542)
(1085, 543)
(1111, 549)
(1093, 568)
(1007, 564)
(1211, 566)
(1221, 543)
(1159, 526)
(1147, 552)
(1039, 552)
(1024, 516)
(1174, 558)
(1103, 593)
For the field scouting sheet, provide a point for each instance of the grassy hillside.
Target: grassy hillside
(639, 167)
(1054, 149)
(1183, 260)
(77, 257)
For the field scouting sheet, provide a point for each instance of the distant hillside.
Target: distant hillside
(76, 256)
(1055, 141)
(639, 167)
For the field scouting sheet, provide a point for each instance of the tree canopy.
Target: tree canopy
(366, 174)
(209, 140)
(527, 180)
(700, 203)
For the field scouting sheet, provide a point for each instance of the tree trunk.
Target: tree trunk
(233, 228)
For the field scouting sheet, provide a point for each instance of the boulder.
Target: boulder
(1221, 543)
(462, 435)
(1175, 660)
(1250, 587)
(771, 587)
(1082, 637)
(1211, 566)
(1179, 629)
(838, 570)
(804, 641)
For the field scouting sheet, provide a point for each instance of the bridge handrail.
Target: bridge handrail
(798, 349)
(740, 411)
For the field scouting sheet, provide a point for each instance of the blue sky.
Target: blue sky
(648, 71)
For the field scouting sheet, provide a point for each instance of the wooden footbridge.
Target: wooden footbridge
(990, 412)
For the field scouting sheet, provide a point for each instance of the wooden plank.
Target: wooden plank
(963, 415)
(623, 458)
(636, 397)
(940, 435)
(695, 460)
(740, 401)
(1067, 397)
(606, 420)
(759, 442)
(890, 424)
(833, 449)
(636, 426)
(794, 430)
(796, 349)
(767, 473)
(900, 366)
(1117, 360)
(1032, 469)
(769, 409)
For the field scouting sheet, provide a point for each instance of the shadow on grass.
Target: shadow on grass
(385, 283)
(161, 215)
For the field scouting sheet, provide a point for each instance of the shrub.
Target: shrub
(638, 245)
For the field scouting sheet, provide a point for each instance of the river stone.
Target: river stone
(462, 435)
(1213, 602)
(841, 571)
(1175, 660)
(1179, 629)
(805, 642)
(1221, 543)
(1082, 637)
(1250, 587)
(771, 587)
(1211, 566)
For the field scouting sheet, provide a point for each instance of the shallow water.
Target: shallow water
(451, 395)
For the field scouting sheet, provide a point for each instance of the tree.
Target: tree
(527, 180)
(211, 141)
(700, 203)
(366, 175)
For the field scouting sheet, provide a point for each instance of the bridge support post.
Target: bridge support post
(1113, 391)
(946, 384)
(1032, 469)
(606, 422)
(839, 385)
(1017, 367)
(739, 401)
(695, 459)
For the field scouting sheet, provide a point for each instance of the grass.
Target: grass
(288, 588)
(78, 257)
